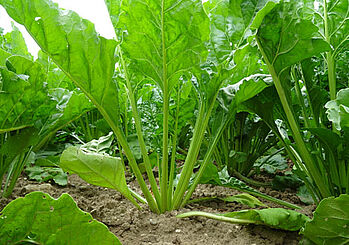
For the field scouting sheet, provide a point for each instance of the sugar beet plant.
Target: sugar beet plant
(32, 107)
(210, 43)
(164, 42)
(289, 38)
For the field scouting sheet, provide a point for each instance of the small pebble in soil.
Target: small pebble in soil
(153, 222)
(178, 230)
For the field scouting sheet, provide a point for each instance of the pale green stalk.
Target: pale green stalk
(173, 153)
(301, 146)
(165, 111)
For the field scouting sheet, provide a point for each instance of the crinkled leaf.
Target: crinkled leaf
(15, 43)
(43, 174)
(41, 219)
(338, 110)
(230, 28)
(74, 46)
(101, 145)
(172, 35)
(70, 105)
(330, 223)
(272, 164)
(24, 98)
(286, 39)
(234, 95)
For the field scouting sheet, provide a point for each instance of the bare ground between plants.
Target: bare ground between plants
(133, 226)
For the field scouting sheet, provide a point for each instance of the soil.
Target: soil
(133, 226)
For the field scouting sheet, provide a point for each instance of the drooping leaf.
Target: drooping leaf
(245, 199)
(234, 95)
(277, 218)
(96, 168)
(330, 223)
(75, 46)
(40, 219)
(212, 176)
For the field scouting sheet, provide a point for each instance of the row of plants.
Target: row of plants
(194, 92)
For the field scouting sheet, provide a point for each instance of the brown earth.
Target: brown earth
(133, 226)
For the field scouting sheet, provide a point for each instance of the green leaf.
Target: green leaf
(23, 96)
(172, 33)
(277, 218)
(330, 223)
(338, 110)
(287, 39)
(75, 47)
(338, 22)
(234, 95)
(272, 164)
(40, 219)
(267, 7)
(212, 176)
(304, 195)
(230, 29)
(245, 199)
(42, 174)
(70, 105)
(101, 145)
(97, 169)
(15, 43)
(3, 57)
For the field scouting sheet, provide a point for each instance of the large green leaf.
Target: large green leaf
(277, 218)
(39, 219)
(96, 168)
(330, 223)
(286, 39)
(230, 25)
(74, 46)
(172, 35)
